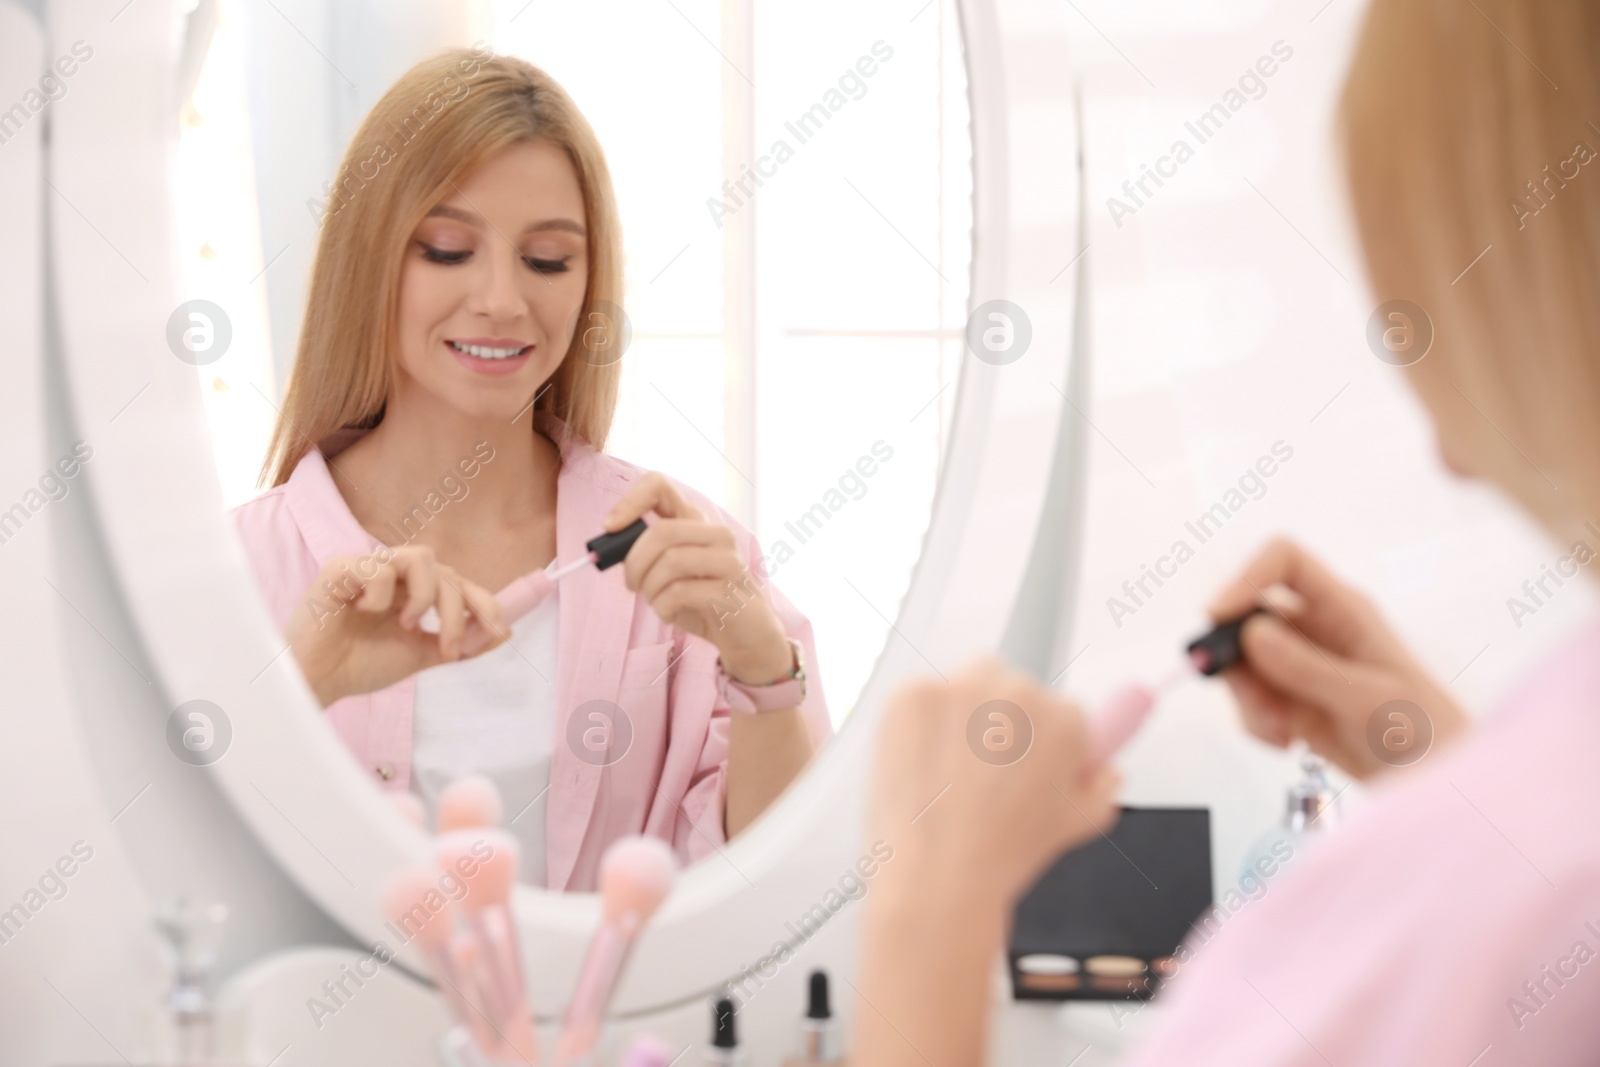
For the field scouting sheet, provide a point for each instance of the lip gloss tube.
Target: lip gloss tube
(528, 592)
(1120, 717)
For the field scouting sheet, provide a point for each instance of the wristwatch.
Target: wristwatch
(783, 693)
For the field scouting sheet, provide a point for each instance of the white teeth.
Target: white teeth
(486, 353)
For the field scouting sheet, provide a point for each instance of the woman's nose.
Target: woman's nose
(498, 293)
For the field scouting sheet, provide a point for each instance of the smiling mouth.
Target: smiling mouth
(484, 352)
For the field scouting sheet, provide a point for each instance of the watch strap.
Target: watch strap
(778, 695)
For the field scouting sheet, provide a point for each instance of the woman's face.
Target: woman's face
(492, 283)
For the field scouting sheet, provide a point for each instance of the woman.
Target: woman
(441, 435)
(1455, 920)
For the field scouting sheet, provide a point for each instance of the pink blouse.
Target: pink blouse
(612, 647)
(1452, 922)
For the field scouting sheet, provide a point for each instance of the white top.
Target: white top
(495, 716)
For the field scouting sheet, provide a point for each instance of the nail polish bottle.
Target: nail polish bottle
(724, 1049)
(819, 1031)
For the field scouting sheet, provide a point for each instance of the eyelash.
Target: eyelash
(543, 266)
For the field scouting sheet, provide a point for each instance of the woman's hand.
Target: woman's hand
(981, 782)
(1321, 669)
(963, 823)
(358, 628)
(691, 573)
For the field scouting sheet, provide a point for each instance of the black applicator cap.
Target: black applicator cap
(610, 548)
(1220, 647)
(818, 1006)
(722, 1019)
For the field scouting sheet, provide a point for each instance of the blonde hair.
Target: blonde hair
(444, 116)
(1460, 145)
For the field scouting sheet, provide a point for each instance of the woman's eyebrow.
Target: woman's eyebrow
(472, 218)
(570, 225)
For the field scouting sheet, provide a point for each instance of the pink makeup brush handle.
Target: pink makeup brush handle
(524, 594)
(592, 995)
(466, 956)
(449, 982)
(1118, 720)
(497, 935)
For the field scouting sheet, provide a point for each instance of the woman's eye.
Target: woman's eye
(547, 266)
(440, 255)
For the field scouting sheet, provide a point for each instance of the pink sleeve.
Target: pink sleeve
(279, 557)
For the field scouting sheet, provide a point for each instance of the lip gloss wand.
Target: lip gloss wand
(1120, 717)
(524, 594)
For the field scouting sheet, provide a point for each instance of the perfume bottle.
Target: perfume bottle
(1311, 809)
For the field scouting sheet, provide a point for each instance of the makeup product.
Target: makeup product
(724, 1048)
(649, 1051)
(191, 936)
(1117, 975)
(1048, 972)
(819, 1031)
(1121, 975)
(485, 860)
(1309, 809)
(1094, 925)
(485, 1010)
(635, 876)
(405, 905)
(469, 802)
(1120, 717)
(528, 592)
(1221, 646)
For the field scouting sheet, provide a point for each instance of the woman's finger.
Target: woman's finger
(1330, 613)
(1288, 662)
(693, 599)
(652, 492)
(340, 580)
(1104, 784)
(665, 534)
(687, 562)
(1264, 713)
(452, 609)
(380, 588)
(419, 572)
(1281, 562)
(487, 627)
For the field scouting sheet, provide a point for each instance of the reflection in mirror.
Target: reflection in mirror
(467, 405)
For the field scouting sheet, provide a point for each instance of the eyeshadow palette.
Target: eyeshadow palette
(1105, 921)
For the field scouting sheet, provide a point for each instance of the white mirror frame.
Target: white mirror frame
(188, 586)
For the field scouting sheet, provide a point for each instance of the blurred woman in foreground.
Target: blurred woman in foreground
(1454, 920)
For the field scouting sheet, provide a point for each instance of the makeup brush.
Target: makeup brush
(468, 802)
(477, 989)
(486, 906)
(635, 876)
(528, 592)
(405, 897)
